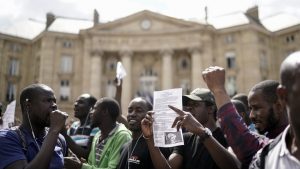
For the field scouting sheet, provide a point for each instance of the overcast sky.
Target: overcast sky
(13, 11)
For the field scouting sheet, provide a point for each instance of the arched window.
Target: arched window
(111, 64)
(148, 79)
(13, 67)
(66, 64)
(183, 63)
(230, 60)
(65, 90)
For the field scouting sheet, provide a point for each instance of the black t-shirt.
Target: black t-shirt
(194, 153)
(139, 155)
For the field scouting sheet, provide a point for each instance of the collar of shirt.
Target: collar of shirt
(113, 130)
(110, 133)
(274, 133)
(283, 148)
(29, 137)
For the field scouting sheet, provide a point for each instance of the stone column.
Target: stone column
(126, 90)
(85, 63)
(95, 72)
(167, 80)
(197, 68)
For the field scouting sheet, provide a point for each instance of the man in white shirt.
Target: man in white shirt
(284, 151)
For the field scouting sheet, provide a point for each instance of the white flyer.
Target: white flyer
(163, 133)
(120, 72)
(9, 115)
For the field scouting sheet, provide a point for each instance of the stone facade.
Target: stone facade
(157, 51)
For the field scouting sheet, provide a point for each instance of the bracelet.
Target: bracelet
(207, 133)
(146, 138)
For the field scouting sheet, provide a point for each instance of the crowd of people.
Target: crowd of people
(257, 130)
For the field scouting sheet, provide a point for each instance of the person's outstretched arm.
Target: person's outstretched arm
(118, 97)
(222, 157)
(214, 78)
(244, 143)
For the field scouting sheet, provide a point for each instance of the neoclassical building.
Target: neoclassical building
(159, 52)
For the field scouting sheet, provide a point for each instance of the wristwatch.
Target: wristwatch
(207, 133)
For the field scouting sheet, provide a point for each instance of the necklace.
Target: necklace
(130, 154)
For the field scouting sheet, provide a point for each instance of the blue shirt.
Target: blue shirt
(12, 149)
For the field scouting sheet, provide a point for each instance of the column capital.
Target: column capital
(194, 50)
(96, 53)
(125, 52)
(166, 52)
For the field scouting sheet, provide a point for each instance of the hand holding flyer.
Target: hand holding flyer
(120, 72)
(163, 133)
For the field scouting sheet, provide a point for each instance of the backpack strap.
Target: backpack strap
(61, 141)
(20, 134)
(266, 150)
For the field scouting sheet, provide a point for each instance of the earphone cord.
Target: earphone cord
(33, 135)
(130, 154)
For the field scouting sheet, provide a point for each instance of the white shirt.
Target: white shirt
(279, 156)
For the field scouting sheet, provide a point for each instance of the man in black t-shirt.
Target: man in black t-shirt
(197, 155)
(135, 154)
(202, 148)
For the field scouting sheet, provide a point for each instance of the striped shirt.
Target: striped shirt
(101, 143)
(81, 134)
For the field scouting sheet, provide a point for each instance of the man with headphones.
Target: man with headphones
(36, 143)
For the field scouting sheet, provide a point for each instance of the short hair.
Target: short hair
(30, 92)
(148, 104)
(268, 88)
(240, 106)
(243, 98)
(111, 105)
(288, 69)
(91, 100)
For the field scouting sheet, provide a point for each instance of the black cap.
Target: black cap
(201, 94)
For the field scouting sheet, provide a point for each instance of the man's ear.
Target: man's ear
(281, 93)
(27, 103)
(282, 98)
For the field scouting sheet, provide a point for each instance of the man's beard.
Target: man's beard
(271, 122)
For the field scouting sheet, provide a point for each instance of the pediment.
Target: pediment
(145, 22)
